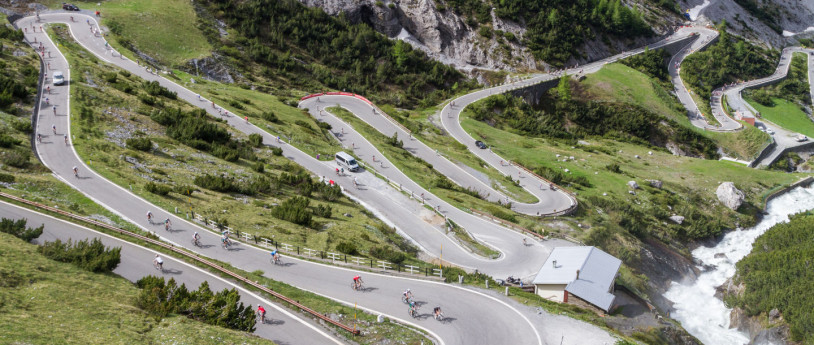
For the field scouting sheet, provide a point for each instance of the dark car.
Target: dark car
(69, 7)
(480, 144)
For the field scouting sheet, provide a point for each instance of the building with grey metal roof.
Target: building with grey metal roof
(585, 272)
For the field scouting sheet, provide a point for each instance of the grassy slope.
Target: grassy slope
(676, 172)
(99, 144)
(103, 313)
(785, 114)
(163, 29)
(617, 82)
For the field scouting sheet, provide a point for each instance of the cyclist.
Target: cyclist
(357, 282)
(75, 171)
(39, 138)
(55, 110)
(412, 309)
(167, 224)
(158, 263)
(224, 240)
(54, 127)
(150, 217)
(275, 256)
(46, 100)
(196, 238)
(525, 243)
(262, 312)
(436, 312)
(66, 139)
(407, 296)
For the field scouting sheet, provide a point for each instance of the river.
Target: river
(696, 307)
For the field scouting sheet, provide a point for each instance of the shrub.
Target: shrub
(7, 178)
(92, 256)
(613, 167)
(148, 100)
(110, 77)
(7, 141)
(223, 308)
(22, 126)
(16, 158)
(387, 254)
(293, 210)
(153, 88)
(157, 188)
(276, 151)
(345, 247)
(17, 228)
(216, 183)
(259, 167)
(270, 117)
(184, 189)
(141, 144)
(256, 140)
(323, 211)
(394, 141)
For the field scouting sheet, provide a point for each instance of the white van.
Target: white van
(346, 161)
(59, 79)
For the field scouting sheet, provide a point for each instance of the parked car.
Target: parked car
(59, 79)
(480, 144)
(769, 131)
(802, 137)
(69, 7)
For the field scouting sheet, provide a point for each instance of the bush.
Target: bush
(7, 178)
(259, 167)
(141, 144)
(345, 247)
(323, 211)
(157, 188)
(92, 256)
(293, 210)
(22, 126)
(613, 167)
(256, 140)
(184, 189)
(216, 183)
(223, 308)
(7, 141)
(153, 88)
(276, 151)
(16, 158)
(17, 228)
(270, 117)
(387, 254)
(394, 141)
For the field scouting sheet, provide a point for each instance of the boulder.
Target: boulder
(677, 219)
(633, 185)
(655, 183)
(729, 195)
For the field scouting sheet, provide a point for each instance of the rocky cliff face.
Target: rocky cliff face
(446, 36)
(441, 34)
(762, 329)
(792, 17)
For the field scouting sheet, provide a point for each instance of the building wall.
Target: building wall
(553, 292)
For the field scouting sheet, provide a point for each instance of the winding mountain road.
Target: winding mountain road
(475, 316)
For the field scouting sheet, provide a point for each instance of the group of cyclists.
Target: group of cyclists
(357, 283)
(167, 222)
(412, 307)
